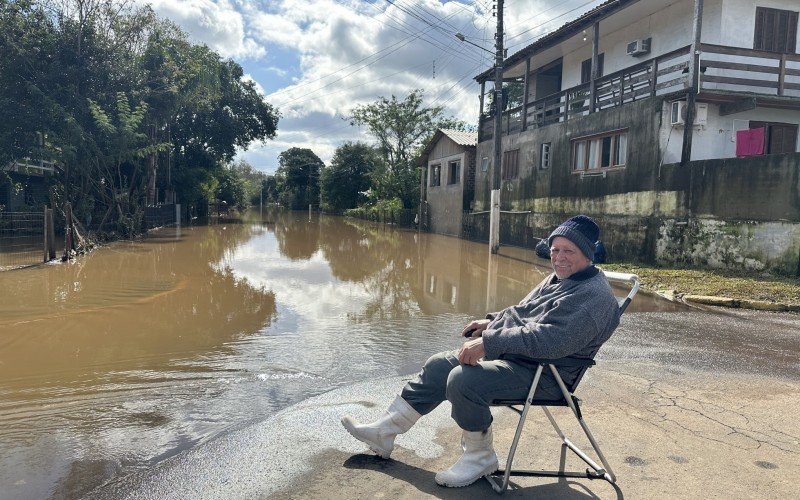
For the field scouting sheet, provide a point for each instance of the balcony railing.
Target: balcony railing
(736, 69)
(722, 69)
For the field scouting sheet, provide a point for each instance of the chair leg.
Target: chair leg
(500, 488)
(608, 474)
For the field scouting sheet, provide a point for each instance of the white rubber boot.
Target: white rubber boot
(380, 434)
(478, 460)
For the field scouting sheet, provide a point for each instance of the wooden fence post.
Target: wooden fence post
(51, 234)
(69, 237)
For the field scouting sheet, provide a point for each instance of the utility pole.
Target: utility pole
(494, 213)
(694, 85)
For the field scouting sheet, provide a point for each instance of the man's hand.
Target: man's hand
(475, 328)
(471, 352)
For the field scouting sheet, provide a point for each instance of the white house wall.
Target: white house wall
(739, 20)
(717, 139)
(669, 29)
(725, 22)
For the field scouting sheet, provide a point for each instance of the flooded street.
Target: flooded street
(140, 350)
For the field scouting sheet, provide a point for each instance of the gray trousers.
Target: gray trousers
(471, 389)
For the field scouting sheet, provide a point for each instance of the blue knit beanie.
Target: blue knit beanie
(581, 230)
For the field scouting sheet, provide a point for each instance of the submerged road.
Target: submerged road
(687, 403)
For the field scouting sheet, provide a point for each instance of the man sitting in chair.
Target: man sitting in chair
(572, 312)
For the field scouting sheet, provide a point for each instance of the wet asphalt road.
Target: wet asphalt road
(260, 460)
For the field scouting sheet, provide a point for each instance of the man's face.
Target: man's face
(566, 258)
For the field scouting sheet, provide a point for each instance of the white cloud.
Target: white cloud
(216, 23)
(343, 53)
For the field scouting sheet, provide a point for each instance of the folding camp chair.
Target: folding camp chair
(596, 472)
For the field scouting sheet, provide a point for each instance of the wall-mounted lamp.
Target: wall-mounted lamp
(584, 35)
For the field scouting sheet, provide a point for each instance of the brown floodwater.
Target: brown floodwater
(140, 350)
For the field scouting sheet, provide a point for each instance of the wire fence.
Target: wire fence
(515, 228)
(159, 216)
(403, 217)
(21, 239)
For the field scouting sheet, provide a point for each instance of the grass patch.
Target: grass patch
(721, 283)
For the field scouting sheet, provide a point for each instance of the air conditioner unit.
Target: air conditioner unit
(677, 113)
(638, 47)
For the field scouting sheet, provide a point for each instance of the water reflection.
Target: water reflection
(143, 349)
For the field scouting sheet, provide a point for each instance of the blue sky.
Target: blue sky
(317, 59)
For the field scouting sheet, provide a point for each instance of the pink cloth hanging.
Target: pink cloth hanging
(750, 142)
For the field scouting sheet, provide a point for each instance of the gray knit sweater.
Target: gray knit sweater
(570, 317)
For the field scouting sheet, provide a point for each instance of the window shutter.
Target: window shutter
(781, 30)
(791, 38)
(758, 39)
(586, 71)
(775, 30)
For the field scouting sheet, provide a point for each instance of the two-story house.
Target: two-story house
(675, 123)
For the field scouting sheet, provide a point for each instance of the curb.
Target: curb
(760, 305)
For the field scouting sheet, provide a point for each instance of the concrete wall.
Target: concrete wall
(721, 212)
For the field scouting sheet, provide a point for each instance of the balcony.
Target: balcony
(727, 75)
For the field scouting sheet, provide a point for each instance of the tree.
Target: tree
(122, 145)
(233, 188)
(400, 128)
(299, 171)
(343, 183)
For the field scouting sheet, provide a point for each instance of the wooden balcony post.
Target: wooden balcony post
(592, 82)
(525, 95)
(782, 75)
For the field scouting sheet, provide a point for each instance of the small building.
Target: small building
(448, 181)
(673, 122)
(24, 184)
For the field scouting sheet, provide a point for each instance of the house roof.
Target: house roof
(461, 138)
(457, 136)
(566, 31)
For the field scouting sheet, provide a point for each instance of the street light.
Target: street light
(464, 39)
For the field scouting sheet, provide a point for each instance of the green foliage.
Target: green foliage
(298, 176)
(69, 73)
(344, 183)
(401, 129)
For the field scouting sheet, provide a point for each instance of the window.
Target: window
(779, 138)
(484, 164)
(436, 175)
(510, 169)
(454, 172)
(586, 68)
(544, 156)
(776, 30)
(601, 151)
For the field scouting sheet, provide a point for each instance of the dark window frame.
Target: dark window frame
(775, 30)
(545, 158)
(612, 138)
(435, 175)
(778, 137)
(586, 68)
(453, 172)
(510, 166)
